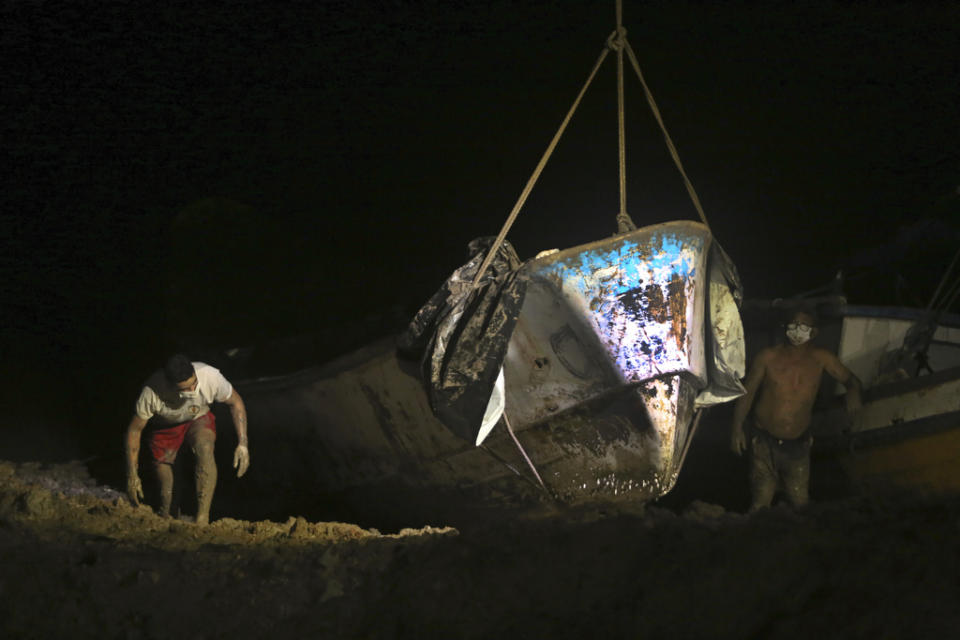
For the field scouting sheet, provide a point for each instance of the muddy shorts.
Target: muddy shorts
(779, 463)
(166, 441)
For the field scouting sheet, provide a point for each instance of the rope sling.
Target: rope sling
(616, 41)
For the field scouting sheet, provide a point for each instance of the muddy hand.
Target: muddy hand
(241, 459)
(738, 442)
(134, 489)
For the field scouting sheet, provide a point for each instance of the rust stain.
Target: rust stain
(677, 297)
(656, 307)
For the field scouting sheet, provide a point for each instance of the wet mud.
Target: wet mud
(78, 561)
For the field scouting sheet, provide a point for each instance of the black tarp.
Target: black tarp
(460, 336)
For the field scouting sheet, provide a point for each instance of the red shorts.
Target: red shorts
(165, 442)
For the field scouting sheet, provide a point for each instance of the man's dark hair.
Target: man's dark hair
(178, 368)
(789, 311)
(809, 309)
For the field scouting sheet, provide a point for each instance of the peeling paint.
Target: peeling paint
(602, 373)
(636, 295)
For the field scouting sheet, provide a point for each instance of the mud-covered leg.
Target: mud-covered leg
(796, 480)
(202, 442)
(763, 474)
(164, 472)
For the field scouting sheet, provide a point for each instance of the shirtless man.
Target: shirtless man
(176, 401)
(787, 377)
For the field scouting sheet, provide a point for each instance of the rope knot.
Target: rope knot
(618, 39)
(625, 223)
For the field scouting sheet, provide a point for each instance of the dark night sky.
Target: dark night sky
(355, 148)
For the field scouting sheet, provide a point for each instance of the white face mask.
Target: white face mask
(798, 333)
(192, 391)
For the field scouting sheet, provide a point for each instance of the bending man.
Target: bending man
(787, 377)
(176, 401)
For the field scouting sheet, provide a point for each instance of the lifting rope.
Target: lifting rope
(536, 172)
(522, 451)
(666, 136)
(616, 41)
(944, 302)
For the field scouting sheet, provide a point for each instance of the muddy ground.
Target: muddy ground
(78, 561)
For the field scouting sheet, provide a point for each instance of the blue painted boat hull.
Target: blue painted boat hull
(617, 345)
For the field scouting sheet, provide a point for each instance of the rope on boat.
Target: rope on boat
(950, 294)
(500, 459)
(520, 447)
(690, 434)
(616, 41)
(952, 297)
(666, 136)
(537, 171)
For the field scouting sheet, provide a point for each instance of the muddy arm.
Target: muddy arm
(844, 376)
(132, 446)
(742, 407)
(854, 398)
(238, 411)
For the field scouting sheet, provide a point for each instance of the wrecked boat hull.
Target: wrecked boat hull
(616, 346)
(907, 436)
(907, 432)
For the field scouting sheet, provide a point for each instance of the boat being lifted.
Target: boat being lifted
(576, 377)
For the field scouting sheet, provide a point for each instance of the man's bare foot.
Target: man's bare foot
(202, 519)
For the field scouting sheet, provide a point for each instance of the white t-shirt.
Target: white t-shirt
(162, 399)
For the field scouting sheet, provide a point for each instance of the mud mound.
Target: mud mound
(60, 500)
(78, 561)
